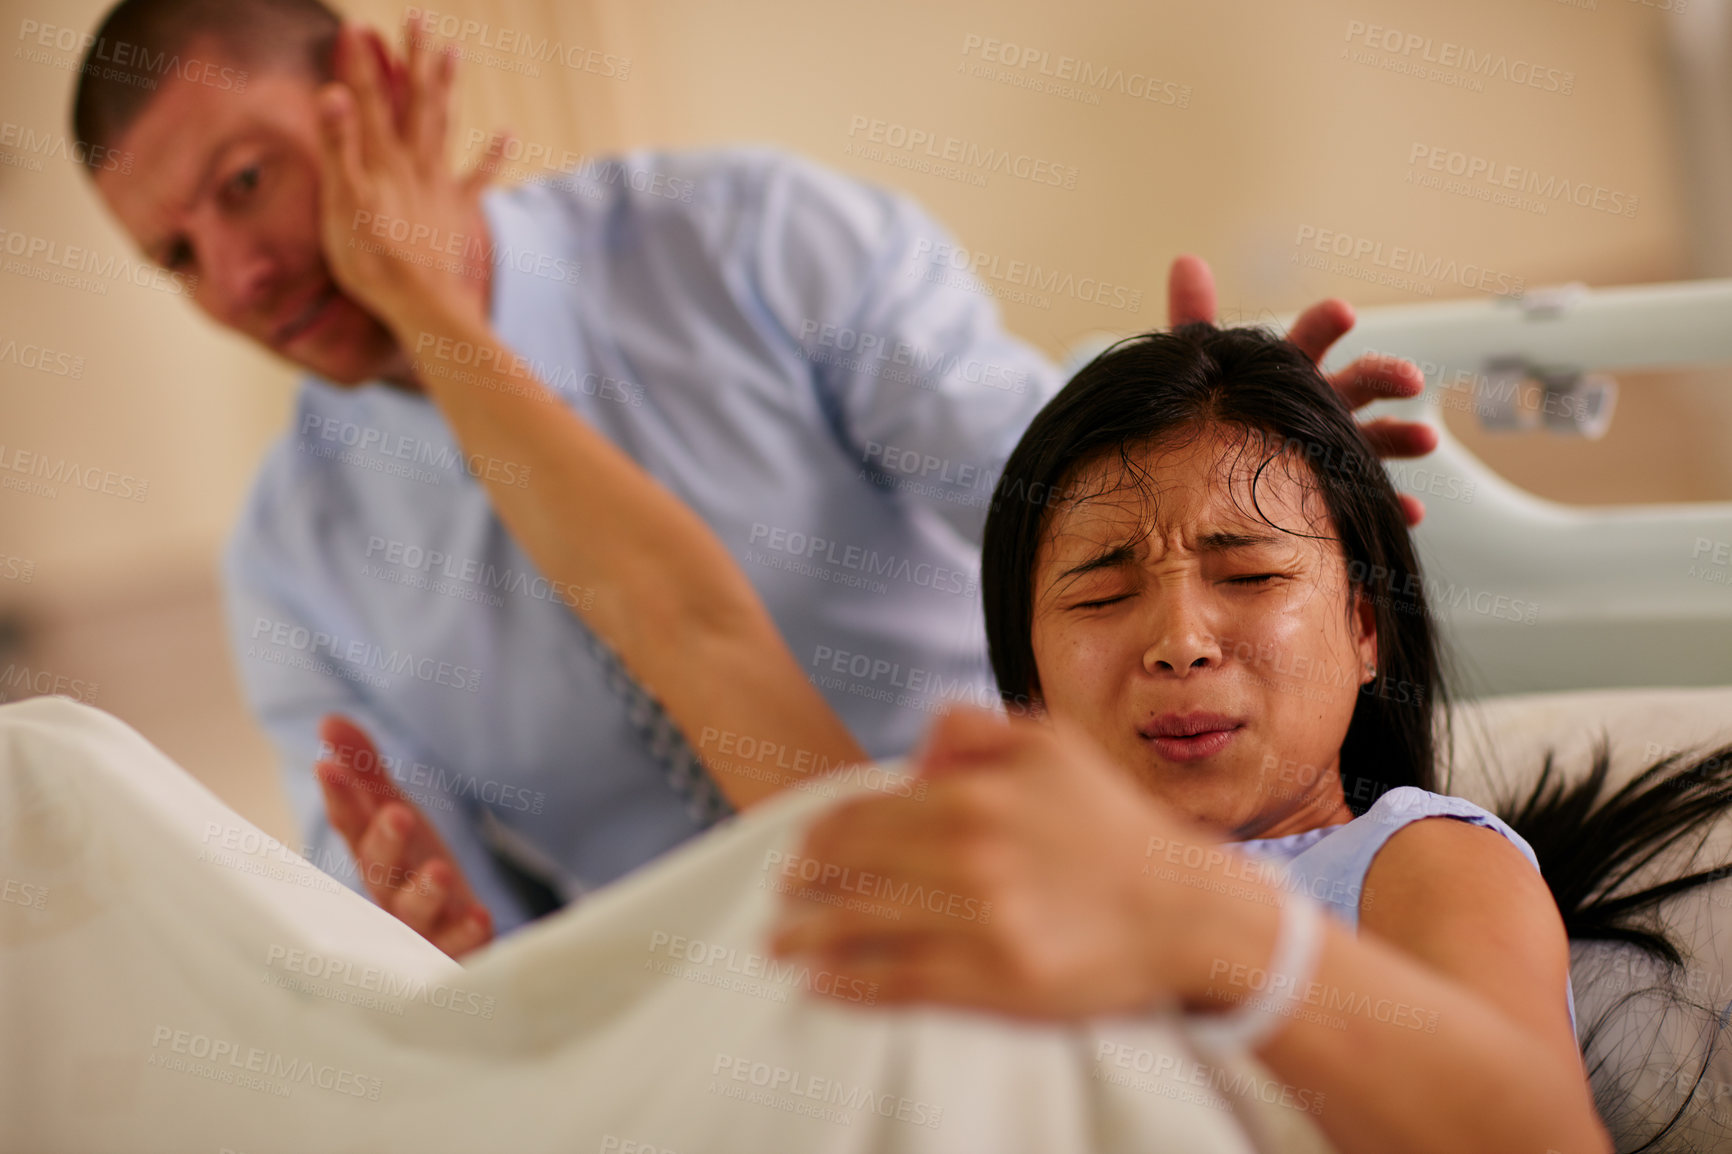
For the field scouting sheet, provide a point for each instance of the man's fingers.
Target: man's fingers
(1375, 377)
(465, 934)
(382, 845)
(342, 177)
(347, 744)
(402, 859)
(414, 72)
(393, 78)
(487, 167)
(349, 770)
(420, 901)
(345, 806)
(1393, 438)
(430, 72)
(438, 120)
(370, 85)
(1320, 326)
(1412, 509)
(1190, 292)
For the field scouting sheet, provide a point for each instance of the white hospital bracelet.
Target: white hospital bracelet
(1242, 1029)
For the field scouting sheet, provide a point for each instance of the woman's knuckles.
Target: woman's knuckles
(984, 865)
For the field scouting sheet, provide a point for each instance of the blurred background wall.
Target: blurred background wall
(1228, 129)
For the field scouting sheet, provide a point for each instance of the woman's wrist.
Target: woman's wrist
(1217, 929)
(1265, 1000)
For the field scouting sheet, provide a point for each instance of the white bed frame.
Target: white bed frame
(1617, 595)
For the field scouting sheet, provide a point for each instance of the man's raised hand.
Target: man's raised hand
(1191, 297)
(401, 233)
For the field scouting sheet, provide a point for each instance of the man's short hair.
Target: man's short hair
(140, 42)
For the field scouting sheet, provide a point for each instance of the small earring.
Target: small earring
(1371, 669)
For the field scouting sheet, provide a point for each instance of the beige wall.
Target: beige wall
(1281, 131)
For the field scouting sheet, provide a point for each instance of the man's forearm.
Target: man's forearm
(651, 577)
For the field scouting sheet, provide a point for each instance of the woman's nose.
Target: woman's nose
(1181, 637)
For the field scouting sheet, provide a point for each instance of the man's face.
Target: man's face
(227, 189)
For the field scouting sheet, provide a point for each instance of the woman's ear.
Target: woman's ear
(1027, 705)
(1364, 620)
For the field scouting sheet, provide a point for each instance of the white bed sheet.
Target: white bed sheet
(170, 980)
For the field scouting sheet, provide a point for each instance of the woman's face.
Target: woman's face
(1214, 656)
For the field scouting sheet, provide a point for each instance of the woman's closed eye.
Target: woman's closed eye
(1100, 602)
(1253, 579)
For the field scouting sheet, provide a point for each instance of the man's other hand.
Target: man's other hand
(403, 860)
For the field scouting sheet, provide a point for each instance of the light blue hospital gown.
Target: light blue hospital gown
(1330, 864)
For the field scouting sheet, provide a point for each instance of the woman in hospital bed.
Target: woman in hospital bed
(1198, 579)
(1198, 584)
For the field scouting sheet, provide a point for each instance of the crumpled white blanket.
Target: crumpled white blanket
(171, 979)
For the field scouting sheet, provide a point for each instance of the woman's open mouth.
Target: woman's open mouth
(1190, 736)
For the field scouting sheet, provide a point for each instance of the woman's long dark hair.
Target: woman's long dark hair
(1164, 388)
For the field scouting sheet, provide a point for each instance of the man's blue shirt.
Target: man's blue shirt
(773, 342)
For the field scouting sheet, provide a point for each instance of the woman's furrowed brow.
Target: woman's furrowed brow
(1126, 553)
(1227, 539)
(1109, 558)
